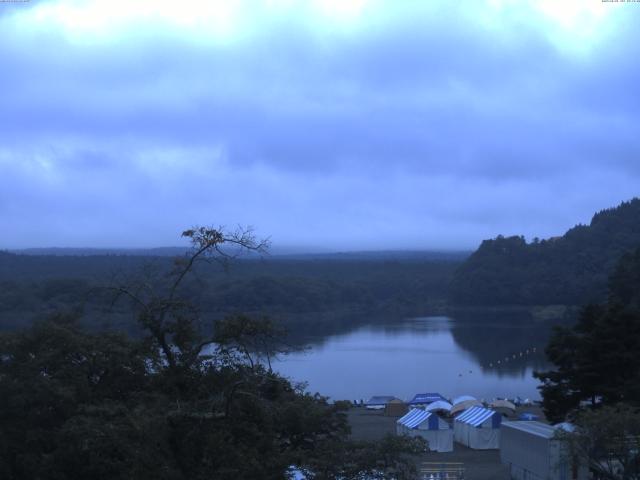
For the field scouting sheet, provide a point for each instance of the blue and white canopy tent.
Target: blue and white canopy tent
(420, 423)
(478, 428)
(425, 398)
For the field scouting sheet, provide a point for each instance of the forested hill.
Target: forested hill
(572, 269)
(291, 289)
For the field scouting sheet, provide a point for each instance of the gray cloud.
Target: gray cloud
(431, 130)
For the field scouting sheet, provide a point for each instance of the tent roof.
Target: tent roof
(566, 426)
(424, 398)
(538, 429)
(380, 399)
(528, 416)
(503, 404)
(463, 398)
(417, 417)
(439, 405)
(414, 418)
(464, 405)
(476, 416)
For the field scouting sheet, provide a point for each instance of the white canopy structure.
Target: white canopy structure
(462, 398)
(440, 405)
(465, 404)
(478, 428)
(503, 404)
(420, 423)
(533, 450)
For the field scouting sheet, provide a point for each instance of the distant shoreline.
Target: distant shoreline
(538, 313)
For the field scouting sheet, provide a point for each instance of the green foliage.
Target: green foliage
(176, 404)
(301, 293)
(55, 382)
(571, 270)
(624, 282)
(254, 339)
(597, 359)
(387, 458)
(609, 439)
(75, 405)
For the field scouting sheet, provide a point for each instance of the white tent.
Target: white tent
(420, 423)
(439, 405)
(533, 450)
(462, 398)
(465, 404)
(478, 428)
(503, 404)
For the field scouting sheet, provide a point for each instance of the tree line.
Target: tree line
(297, 291)
(570, 270)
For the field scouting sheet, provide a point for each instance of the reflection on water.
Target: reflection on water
(430, 354)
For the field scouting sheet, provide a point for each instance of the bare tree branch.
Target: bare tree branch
(170, 320)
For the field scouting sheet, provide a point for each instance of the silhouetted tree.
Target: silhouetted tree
(172, 320)
(609, 439)
(597, 359)
(176, 404)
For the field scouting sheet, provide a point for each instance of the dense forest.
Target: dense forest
(175, 402)
(314, 293)
(301, 292)
(570, 270)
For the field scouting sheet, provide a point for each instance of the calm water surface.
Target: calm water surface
(429, 354)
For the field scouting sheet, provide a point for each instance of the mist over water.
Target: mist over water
(427, 354)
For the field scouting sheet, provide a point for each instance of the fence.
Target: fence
(442, 471)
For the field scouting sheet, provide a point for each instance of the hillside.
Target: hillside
(301, 292)
(572, 269)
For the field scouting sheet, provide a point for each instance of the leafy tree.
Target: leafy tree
(170, 319)
(387, 458)
(597, 359)
(180, 403)
(65, 397)
(609, 438)
(255, 339)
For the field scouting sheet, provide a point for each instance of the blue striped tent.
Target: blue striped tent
(478, 428)
(420, 423)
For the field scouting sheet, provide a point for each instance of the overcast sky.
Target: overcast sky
(339, 124)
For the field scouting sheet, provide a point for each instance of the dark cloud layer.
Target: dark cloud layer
(426, 129)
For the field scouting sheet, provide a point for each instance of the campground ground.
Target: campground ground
(477, 464)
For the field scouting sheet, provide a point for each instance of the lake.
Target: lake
(486, 359)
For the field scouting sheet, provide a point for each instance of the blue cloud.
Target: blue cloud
(427, 126)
